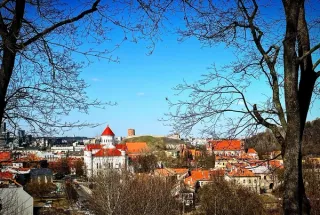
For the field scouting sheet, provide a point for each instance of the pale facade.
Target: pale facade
(253, 183)
(103, 156)
(14, 200)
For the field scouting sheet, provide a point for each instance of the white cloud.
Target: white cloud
(140, 94)
(96, 79)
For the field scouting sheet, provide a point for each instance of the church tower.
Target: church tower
(107, 138)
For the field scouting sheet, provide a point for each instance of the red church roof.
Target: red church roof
(90, 147)
(122, 147)
(107, 153)
(107, 132)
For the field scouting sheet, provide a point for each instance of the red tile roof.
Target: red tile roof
(4, 156)
(197, 175)
(6, 163)
(122, 147)
(137, 147)
(251, 150)
(107, 153)
(276, 163)
(6, 175)
(90, 147)
(180, 170)
(107, 132)
(241, 173)
(226, 145)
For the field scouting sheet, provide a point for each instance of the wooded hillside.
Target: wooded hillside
(263, 142)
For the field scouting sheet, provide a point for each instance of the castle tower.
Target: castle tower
(131, 132)
(107, 137)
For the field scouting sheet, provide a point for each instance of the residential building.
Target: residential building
(14, 200)
(252, 153)
(226, 147)
(199, 178)
(268, 178)
(245, 178)
(43, 175)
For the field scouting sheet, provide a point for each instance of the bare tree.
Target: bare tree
(122, 194)
(40, 189)
(275, 51)
(221, 197)
(311, 176)
(40, 40)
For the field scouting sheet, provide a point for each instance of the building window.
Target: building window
(249, 181)
(244, 181)
(255, 180)
(265, 177)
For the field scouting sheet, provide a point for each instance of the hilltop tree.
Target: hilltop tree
(144, 163)
(44, 46)
(275, 45)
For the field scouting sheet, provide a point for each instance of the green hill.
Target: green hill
(155, 143)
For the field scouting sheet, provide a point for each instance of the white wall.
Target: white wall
(116, 162)
(16, 201)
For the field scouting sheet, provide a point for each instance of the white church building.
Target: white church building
(106, 155)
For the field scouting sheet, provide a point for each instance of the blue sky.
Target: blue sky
(139, 83)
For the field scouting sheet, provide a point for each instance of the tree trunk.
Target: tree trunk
(9, 42)
(294, 199)
(5, 75)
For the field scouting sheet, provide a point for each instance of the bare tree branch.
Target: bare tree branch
(61, 23)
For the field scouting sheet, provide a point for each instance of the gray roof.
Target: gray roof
(40, 172)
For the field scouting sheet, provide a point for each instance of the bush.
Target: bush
(40, 189)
